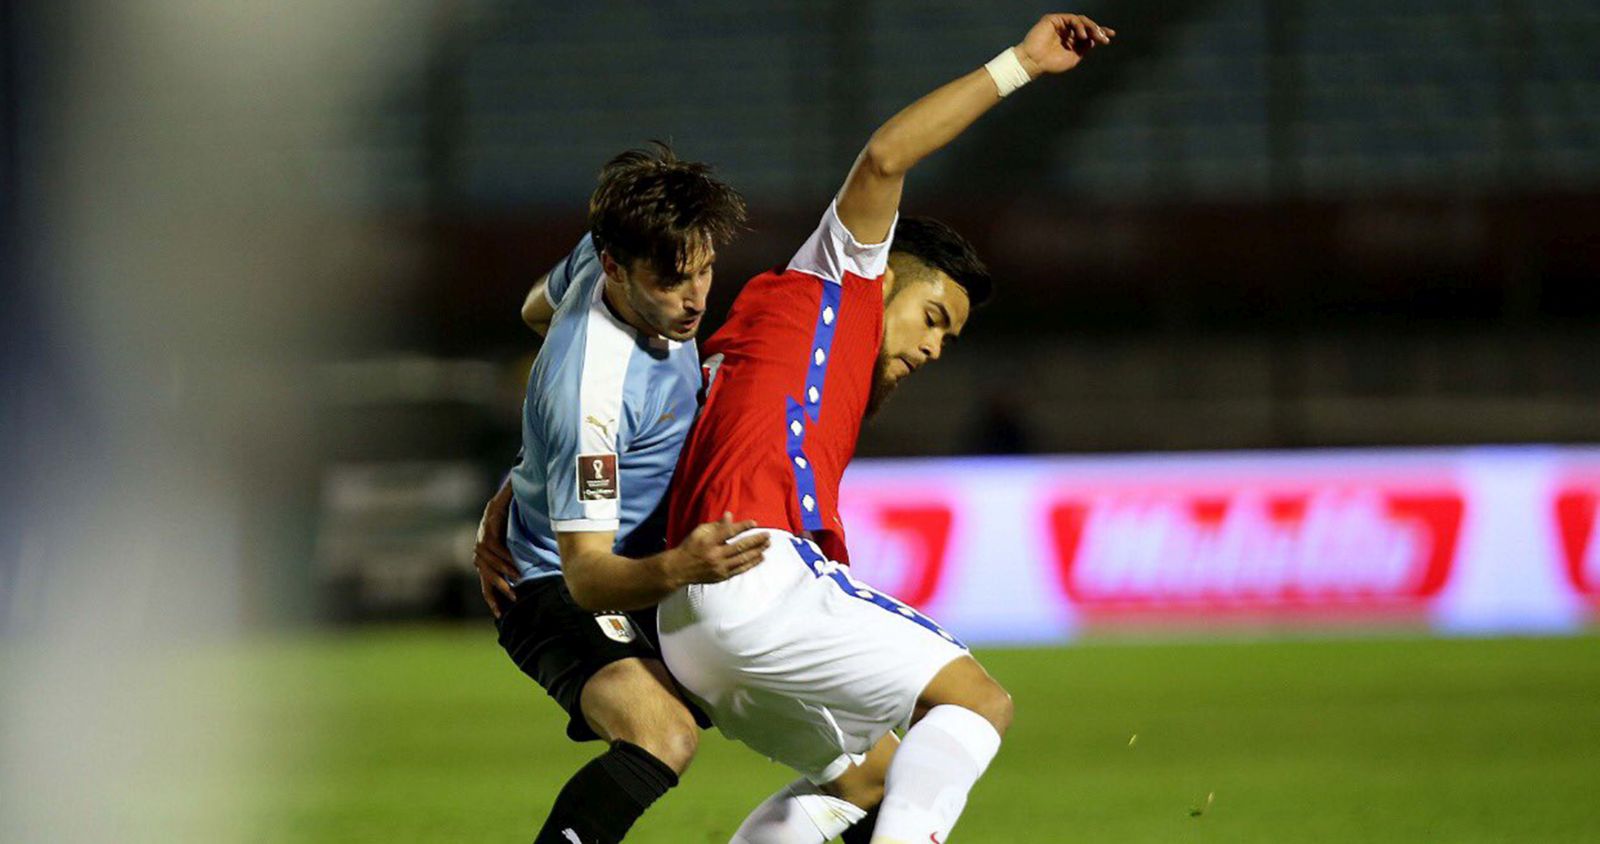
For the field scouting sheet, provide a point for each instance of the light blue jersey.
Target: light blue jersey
(606, 413)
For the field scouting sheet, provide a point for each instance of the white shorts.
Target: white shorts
(796, 659)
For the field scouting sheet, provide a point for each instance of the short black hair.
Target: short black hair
(651, 204)
(942, 248)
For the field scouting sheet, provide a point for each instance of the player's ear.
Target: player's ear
(888, 283)
(610, 267)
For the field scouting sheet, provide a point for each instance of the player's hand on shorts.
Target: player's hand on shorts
(706, 555)
(1057, 43)
(496, 570)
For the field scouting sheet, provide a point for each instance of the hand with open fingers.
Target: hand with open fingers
(1058, 42)
(497, 572)
(706, 555)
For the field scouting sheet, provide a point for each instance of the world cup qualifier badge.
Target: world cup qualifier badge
(597, 477)
(617, 627)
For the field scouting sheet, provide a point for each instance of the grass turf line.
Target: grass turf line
(430, 734)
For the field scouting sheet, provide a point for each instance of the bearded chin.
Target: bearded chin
(882, 387)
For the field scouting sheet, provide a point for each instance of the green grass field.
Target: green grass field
(432, 735)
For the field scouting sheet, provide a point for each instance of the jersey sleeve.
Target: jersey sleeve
(580, 260)
(581, 451)
(832, 251)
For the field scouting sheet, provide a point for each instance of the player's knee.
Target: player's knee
(668, 732)
(964, 683)
(995, 705)
(625, 703)
(680, 741)
(1003, 709)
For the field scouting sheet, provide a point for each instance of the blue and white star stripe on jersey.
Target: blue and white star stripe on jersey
(808, 408)
(823, 567)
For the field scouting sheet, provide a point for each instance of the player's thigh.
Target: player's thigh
(635, 700)
(965, 683)
(562, 646)
(839, 672)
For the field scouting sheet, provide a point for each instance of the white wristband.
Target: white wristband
(1007, 71)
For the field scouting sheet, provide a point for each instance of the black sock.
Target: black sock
(861, 831)
(603, 799)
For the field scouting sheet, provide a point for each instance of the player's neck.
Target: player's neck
(617, 304)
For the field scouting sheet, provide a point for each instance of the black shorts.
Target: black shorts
(561, 645)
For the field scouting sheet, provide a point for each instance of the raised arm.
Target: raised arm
(871, 194)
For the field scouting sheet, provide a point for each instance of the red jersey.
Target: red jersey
(787, 382)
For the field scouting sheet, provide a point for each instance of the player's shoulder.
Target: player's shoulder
(777, 281)
(832, 253)
(583, 257)
(585, 348)
(586, 266)
(578, 268)
(583, 273)
(772, 296)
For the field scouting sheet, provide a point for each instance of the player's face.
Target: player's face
(920, 320)
(669, 304)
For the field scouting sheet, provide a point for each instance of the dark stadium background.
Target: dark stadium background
(262, 363)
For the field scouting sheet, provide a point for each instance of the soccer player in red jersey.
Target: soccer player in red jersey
(795, 657)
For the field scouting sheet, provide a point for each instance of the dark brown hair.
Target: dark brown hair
(652, 205)
(942, 248)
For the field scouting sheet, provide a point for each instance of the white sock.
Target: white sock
(938, 762)
(798, 814)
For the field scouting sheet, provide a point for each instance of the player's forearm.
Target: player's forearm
(930, 123)
(871, 194)
(602, 581)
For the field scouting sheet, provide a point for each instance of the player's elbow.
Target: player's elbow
(885, 158)
(586, 593)
(536, 315)
(537, 309)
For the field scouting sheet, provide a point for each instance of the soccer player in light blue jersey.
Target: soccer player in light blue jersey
(610, 399)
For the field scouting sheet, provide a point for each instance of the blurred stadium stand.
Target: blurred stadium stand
(1217, 230)
(1209, 101)
(404, 440)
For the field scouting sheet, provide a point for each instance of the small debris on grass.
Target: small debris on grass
(1195, 812)
(1133, 740)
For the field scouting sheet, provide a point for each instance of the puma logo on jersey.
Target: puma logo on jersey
(604, 426)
